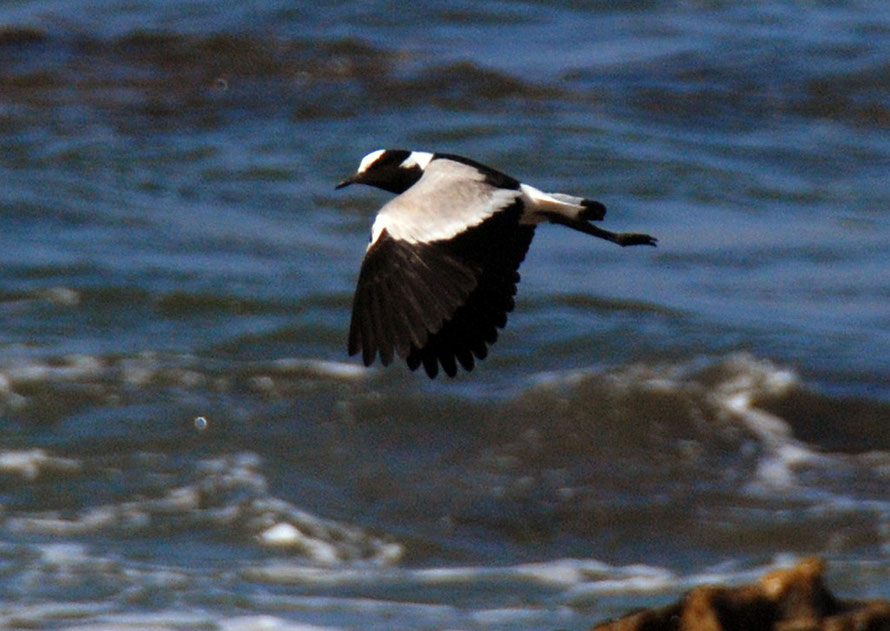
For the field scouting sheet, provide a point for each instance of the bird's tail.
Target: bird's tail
(576, 213)
(591, 210)
(541, 205)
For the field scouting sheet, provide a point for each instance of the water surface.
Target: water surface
(650, 420)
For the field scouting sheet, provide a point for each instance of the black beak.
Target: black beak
(350, 180)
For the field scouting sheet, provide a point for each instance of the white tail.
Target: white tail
(542, 206)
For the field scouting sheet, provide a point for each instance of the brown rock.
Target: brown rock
(795, 599)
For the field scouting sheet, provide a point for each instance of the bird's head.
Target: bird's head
(393, 170)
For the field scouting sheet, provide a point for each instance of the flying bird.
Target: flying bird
(441, 268)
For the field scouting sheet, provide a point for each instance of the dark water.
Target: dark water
(184, 443)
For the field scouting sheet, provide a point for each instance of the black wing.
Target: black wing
(439, 302)
(405, 290)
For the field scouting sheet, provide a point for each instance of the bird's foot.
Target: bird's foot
(635, 238)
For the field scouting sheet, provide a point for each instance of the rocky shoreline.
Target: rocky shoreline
(794, 599)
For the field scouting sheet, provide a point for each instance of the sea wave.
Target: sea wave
(732, 400)
(158, 77)
(663, 445)
(228, 496)
(292, 596)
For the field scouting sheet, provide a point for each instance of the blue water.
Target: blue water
(650, 419)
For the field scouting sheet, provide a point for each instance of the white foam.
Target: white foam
(25, 616)
(154, 621)
(320, 368)
(563, 571)
(107, 377)
(51, 523)
(727, 390)
(28, 370)
(63, 553)
(225, 491)
(286, 535)
(268, 623)
(783, 454)
(289, 573)
(30, 463)
(60, 296)
(628, 585)
(506, 616)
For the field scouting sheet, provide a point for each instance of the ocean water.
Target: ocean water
(184, 443)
